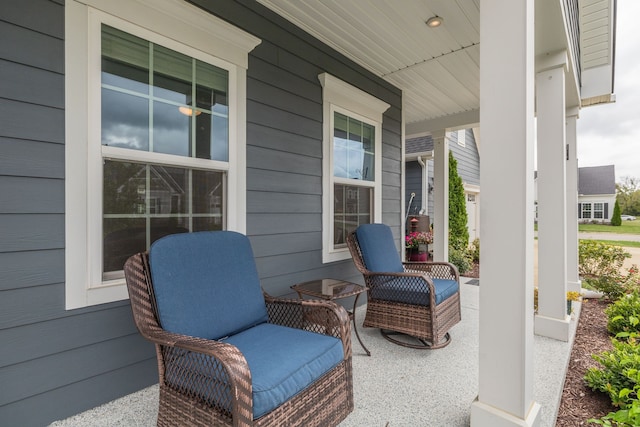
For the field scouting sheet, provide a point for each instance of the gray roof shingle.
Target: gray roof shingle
(597, 180)
(419, 145)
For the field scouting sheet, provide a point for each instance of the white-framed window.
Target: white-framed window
(586, 211)
(598, 210)
(155, 134)
(462, 137)
(352, 163)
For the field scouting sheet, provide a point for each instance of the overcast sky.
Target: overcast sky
(610, 134)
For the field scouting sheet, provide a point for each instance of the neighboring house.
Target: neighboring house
(419, 174)
(596, 193)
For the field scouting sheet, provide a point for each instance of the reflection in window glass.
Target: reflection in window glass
(125, 120)
(130, 65)
(172, 75)
(125, 61)
(353, 148)
(144, 202)
(352, 207)
(171, 130)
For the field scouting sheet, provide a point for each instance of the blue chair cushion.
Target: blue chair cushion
(206, 284)
(283, 361)
(413, 290)
(378, 248)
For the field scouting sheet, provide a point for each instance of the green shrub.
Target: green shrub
(627, 417)
(458, 229)
(616, 220)
(615, 285)
(460, 258)
(610, 286)
(474, 250)
(597, 259)
(624, 316)
(620, 370)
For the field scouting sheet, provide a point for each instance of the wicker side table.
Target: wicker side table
(333, 289)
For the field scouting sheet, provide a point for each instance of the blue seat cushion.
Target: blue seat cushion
(283, 361)
(378, 249)
(412, 290)
(206, 284)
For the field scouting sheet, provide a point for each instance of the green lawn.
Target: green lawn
(627, 227)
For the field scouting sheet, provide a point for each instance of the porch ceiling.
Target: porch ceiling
(438, 69)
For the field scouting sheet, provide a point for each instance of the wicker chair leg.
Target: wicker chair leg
(423, 344)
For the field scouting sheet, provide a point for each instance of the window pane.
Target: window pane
(172, 75)
(212, 136)
(212, 86)
(171, 130)
(124, 190)
(168, 190)
(208, 193)
(355, 210)
(125, 60)
(353, 148)
(125, 120)
(160, 227)
(207, 224)
(123, 237)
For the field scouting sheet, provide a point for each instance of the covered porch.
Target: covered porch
(398, 386)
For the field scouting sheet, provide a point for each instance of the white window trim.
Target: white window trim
(462, 137)
(342, 97)
(176, 23)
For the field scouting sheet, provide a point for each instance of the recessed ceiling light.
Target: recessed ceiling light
(435, 21)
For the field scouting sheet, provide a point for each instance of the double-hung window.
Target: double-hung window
(586, 211)
(155, 120)
(598, 210)
(352, 163)
(161, 113)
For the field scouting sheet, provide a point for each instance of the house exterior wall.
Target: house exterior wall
(56, 363)
(468, 168)
(609, 201)
(413, 184)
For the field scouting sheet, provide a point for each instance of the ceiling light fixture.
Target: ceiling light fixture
(188, 111)
(435, 21)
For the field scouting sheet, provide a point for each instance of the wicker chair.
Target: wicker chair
(420, 301)
(229, 354)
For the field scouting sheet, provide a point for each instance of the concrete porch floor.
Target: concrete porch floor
(396, 386)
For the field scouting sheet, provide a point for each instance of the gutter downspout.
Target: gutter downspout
(425, 185)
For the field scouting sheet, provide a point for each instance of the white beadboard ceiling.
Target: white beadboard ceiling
(438, 69)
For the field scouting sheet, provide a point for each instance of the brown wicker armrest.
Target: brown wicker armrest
(217, 367)
(437, 270)
(321, 316)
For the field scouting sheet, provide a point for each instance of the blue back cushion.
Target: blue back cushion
(378, 248)
(206, 284)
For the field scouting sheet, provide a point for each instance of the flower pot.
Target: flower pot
(418, 254)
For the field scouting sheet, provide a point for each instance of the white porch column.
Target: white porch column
(573, 280)
(440, 196)
(506, 216)
(552, 320)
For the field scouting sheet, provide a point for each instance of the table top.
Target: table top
(329, 289)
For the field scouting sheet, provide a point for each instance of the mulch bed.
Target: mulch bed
(579, 402)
